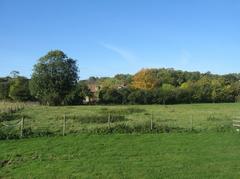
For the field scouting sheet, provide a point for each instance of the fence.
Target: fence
(102, 124)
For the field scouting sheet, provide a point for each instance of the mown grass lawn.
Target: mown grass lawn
(176, 155)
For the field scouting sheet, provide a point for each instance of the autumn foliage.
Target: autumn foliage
(145, 79)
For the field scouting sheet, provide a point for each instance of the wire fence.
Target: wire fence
(107, 124)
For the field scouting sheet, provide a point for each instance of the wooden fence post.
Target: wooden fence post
(109, 118)
(64, 124)
(22, 127)
(151, 126)
(191, 122)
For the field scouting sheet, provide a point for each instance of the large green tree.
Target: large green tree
(54, 77)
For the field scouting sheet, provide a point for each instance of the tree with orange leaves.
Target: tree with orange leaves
(145, 79)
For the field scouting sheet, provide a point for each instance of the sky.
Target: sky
(109, 37)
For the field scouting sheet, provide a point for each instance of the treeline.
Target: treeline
(15, 88)
(55, 82)
(168, 94)
(169, 86)
(18, 88)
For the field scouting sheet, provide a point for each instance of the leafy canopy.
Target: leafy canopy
(54, 77)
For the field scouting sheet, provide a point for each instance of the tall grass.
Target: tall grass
(44, 120)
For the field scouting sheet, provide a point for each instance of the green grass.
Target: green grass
(203, 117)
(203, 155)
(211, 152)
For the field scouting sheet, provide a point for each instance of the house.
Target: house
(94, 89)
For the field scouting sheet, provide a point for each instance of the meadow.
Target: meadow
(45, 120)
(130, 141)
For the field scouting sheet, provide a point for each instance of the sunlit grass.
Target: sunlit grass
(200, 117)
(204, 155)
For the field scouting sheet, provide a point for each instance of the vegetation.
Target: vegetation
(169, 86)
(19, 89)
(54, 78)
(205, 155)
(9, 108)
(189, 141)
(15, 88)
(45, 120)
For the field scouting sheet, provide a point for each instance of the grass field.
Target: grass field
(79, 119)
(211, 150)
(203, 155)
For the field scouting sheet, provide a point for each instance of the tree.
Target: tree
(230, 78)
(19, 89)
(110, 83)
(167, 94)
(189, 89)
(54, 77)
(78, 95)
(182, 95)
(14, 74)
(4, 88)
(110, 96)
(137, 97)
(124, 79)
(217, 85)
(145, 79)
(203, 89)
(125, 92)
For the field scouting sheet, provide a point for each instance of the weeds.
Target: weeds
(122, 111)
(98, 119)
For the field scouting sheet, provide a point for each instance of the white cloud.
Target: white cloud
(126, 55)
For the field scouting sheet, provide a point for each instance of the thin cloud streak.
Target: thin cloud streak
(185, 58)
(126, 55)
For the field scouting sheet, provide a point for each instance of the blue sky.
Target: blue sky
(122, 36)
